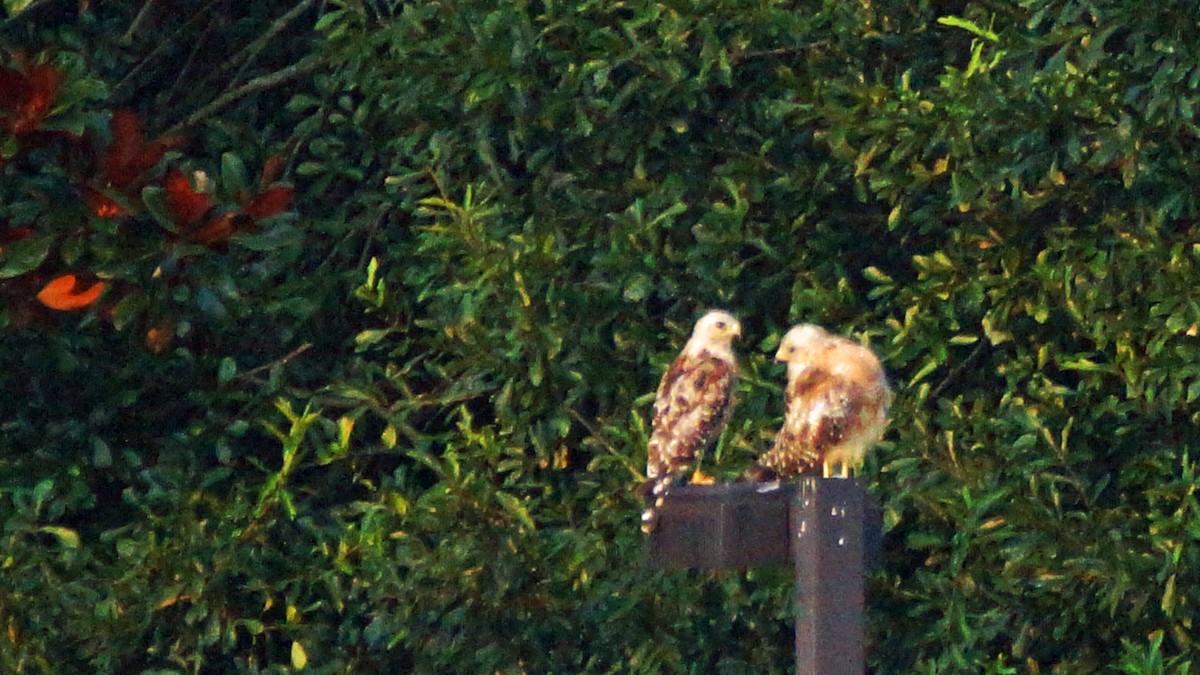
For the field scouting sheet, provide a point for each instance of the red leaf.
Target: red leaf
(187, 206)
(31, 94)
(126, 137)
(270, 171)
(15, 234)
(219, 229)
(11, 81)
(63, 293)
(270, 202)
(128, 156)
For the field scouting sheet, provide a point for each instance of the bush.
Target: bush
(511, 216)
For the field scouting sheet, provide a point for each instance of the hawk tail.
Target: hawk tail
(655, 490)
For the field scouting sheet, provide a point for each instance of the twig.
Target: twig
(197, 46)
(957, 371)
(600, 440)
(251, 51)
(369, 238)
(305, 66)
(781, 51)
(138, 20)
(162, 45)
(250, 374)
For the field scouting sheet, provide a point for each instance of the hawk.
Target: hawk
(692, 406)
(836, 405)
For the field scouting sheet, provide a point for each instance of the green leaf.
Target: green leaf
(227, 370)
(67, 537)
(388, 437)
(127, 548)
(1167, 604)
(328, 19)
(1085, 365)
(516, 508)
(15, 7)
(23, 255)
(370, 336)
(209, 303)
(101, 453)
(274, 239)
(310, 168)
(969, 26)
(154, 198)
(876, 275)
(345, 427)
(372, 270)
(233, 175)
(301, 102)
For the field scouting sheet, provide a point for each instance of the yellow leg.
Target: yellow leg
(701, 478)
(825, 469)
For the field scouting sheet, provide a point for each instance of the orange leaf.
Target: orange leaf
(270, 202)
(187, 206)
(159, 338)
(103, 205)
(61, 293)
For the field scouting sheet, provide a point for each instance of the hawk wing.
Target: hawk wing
(820, 410)
(693, 403)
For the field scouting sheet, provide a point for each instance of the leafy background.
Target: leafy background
(396, 428)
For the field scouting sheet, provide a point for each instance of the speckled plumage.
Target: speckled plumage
(836, 405)
(692, 406)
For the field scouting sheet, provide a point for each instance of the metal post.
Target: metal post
(829, 527)
(827, 522)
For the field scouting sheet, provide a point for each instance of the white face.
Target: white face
(717, 327)
(800, 342)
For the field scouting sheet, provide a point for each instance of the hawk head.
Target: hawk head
(714, 332)
(800, 344)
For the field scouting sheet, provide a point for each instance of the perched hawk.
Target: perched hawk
(836, 405)
(692, 405)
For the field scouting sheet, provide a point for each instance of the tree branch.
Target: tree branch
(251, 51)
(305, 66)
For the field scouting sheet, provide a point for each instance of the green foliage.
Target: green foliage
(400, 434)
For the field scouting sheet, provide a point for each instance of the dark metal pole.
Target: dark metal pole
(827, 546)
(830, 528)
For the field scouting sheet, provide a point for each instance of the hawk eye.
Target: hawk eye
(720, 324)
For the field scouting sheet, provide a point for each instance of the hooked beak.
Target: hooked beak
(779, 356)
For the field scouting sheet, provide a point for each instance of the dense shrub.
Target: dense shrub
(408, 440)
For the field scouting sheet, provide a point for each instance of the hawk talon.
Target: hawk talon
(701, 478)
